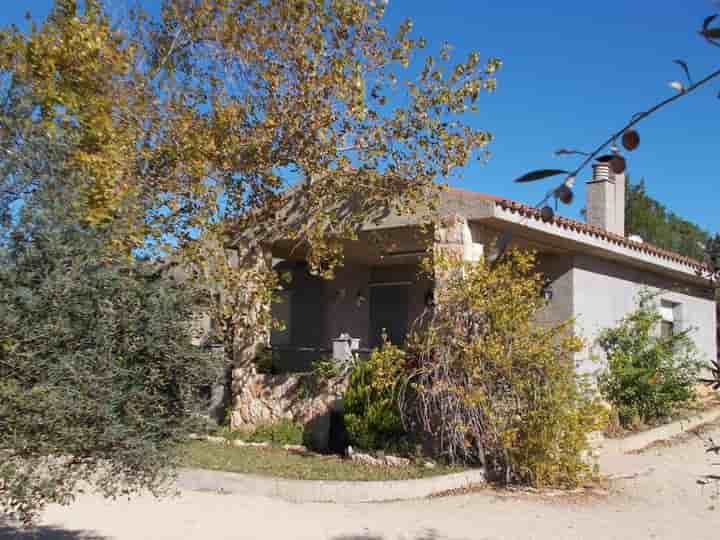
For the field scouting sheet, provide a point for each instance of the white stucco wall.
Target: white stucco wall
(557, 269)
(604, 292)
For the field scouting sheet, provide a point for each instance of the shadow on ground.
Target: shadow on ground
(10, 532)
(427, 535)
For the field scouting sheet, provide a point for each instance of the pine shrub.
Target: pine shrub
(99, 380)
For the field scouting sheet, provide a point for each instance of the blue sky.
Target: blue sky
(573, 73)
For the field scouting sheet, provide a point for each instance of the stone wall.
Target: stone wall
(455, 235)
(260, 398)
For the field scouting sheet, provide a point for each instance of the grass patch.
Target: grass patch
(277, 462)
(277, 434)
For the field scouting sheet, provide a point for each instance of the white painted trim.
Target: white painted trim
(594, 241)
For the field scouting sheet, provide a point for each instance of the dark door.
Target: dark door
(388, 313)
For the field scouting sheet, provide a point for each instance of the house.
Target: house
(594, 273)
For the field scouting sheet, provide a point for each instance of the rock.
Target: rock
(296, 449)
(394, 461)
(366, 459)
(216, 440)
(258, 444)
(429, 465)
(196, 437)
(260, 398)
(383, 461)
(239, 443)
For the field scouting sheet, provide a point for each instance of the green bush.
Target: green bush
(98, 375)
(371, 412)
(647, 375)
(277, 433)
(324, 369)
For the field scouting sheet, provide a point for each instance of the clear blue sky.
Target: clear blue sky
(573, 73)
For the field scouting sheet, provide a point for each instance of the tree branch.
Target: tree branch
(641, 116)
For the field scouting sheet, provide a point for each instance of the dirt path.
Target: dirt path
(663, 500)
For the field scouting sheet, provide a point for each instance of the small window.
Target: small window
(668, 314)
(667, 329)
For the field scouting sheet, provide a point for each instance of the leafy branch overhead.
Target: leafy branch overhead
(169, 128)
(180, 135)
(626, 136)
(216, 108)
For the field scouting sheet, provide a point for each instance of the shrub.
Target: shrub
(278, 433)
(324, 369)
(494, 387)
(647, 375)
(98, 377)
(371, 413)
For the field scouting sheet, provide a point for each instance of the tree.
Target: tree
(165, 130)
(649, 219)
(98, 376)
(170, 128)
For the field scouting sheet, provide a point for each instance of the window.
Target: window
(669, 318)
(667, 329)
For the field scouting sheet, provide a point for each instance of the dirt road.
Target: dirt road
(662, 500)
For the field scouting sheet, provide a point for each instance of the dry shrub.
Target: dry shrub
(491, 385)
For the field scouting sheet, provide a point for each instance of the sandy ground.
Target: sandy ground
(661, 500)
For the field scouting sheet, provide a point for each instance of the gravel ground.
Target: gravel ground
(655, 495)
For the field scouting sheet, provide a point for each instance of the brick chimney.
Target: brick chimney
(606, 199)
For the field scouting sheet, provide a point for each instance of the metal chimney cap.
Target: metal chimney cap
(601, 172)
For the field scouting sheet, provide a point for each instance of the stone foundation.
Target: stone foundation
(260, 398)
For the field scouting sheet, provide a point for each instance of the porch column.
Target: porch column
(453, 239)
(252, 324)
(453, 236)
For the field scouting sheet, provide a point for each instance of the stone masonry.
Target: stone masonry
(260, 398)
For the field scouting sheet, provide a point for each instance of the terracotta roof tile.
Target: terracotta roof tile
(579, 226)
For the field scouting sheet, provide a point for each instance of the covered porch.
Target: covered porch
(380, 289)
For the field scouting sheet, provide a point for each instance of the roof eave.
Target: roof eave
(595, 243)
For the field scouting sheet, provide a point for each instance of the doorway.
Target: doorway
(388, 313)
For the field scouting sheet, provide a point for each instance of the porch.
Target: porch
(380, 289)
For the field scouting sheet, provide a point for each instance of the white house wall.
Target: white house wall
(604, 292)
(557, 268)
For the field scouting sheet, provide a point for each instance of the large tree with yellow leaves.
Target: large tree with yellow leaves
(218, 105)
(166, 128)
(169, 127)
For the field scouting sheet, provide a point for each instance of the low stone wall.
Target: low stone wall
(260, 398)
